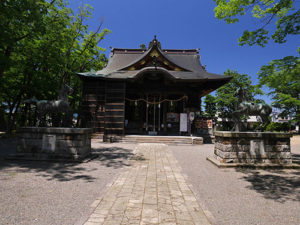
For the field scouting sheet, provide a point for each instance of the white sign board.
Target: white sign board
(183, 122)
(192, 116)
(49, 143)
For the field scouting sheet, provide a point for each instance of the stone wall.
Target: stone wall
(252, 147)
(54, 142)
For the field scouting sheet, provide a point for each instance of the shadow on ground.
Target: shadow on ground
(112, 156)
(63, 171)
(278, 185)
(49, 170)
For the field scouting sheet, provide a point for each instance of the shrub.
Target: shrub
(278, 127)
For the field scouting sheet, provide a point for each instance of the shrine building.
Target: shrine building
(146, 91)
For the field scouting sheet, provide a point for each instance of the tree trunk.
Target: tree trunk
(2, 119)
(15, 114)
(7, 53)
(9, 121)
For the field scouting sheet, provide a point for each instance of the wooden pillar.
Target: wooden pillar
(114, 108)
(165, 108)
(154, 115)
(200, 105)
(159, 105)
(141, 109)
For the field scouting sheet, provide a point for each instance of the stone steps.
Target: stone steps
(170, 140)
(176, 140)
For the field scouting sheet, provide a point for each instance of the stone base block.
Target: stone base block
(252, 147)
(54, 142)
(197, 141)
(267, 165)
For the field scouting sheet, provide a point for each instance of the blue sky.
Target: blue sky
(186, 24)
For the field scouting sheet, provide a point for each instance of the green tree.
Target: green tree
(43, 60)
(225, 98)
(19, 20)
(210, 106)
(283, 77)
(143, 46)
(278, 19)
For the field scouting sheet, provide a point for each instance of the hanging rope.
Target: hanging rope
(159, 102)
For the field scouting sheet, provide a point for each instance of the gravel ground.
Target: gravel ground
(242, 196)
(41, 193)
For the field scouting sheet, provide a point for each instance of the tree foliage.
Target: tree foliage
(210, 106)
(19, 20)
(282, 14)
(226, 99)
(143, 46)
(283, 127)
(43, 44)
(283, 77)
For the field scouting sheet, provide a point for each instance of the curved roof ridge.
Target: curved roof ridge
(180, 50)
(152, 68)
(124, 50)
(137, 60)
(146, 53)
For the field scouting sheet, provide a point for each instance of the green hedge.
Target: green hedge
(278, 127)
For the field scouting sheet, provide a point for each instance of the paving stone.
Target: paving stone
(100, 213)
(166, 216)
(133, 213)
(185, 222)
(131, 222)
(149, 220)
(95, 203)
(168, 223)
(150, 200)
(152, 191)
(96, 219)
(91, 223)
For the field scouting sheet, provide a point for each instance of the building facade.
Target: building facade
(146, 91)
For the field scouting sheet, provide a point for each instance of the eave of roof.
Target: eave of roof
(176, 75)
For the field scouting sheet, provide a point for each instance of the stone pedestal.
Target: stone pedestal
(252, 148)
(54, 142)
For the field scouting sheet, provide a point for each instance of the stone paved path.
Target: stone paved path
(153, 191)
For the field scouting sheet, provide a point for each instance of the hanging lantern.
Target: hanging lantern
(158, 105)
(171, 103)
(135, 103)
(147, 105)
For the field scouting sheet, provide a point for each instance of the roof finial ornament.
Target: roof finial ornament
(154, 42)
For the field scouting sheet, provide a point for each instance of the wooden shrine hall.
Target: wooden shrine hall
(146, 91)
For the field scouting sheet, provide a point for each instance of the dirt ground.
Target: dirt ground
(295, 140)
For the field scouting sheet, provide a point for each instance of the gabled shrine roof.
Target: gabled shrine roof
(179, 64)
